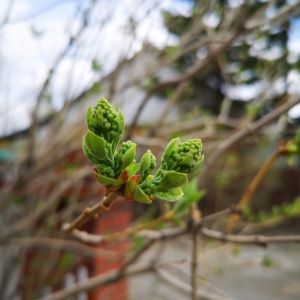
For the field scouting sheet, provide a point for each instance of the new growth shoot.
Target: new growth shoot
(118, 171)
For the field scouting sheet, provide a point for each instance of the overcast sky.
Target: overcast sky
(36, 32)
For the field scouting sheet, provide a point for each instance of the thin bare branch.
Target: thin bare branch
(59, 244)
(251, 129)
(250, 239)
(99, 280)
(179, 284)
(93, 212)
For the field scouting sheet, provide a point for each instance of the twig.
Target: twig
(282, 13)
(192, 72)
(59, 244)
(30, 219)
(249, 239)
(137, 255)
(281, 150)
(194, 265)
(185, 287)
(242, 133)
(196, 220)
(96, 239)
(171, 102)
(152, 234)
(130, 231)
(89, 213)
(99, 280)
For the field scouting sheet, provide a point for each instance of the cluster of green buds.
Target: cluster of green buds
(117, 170)
(178, 160)
(106, 127)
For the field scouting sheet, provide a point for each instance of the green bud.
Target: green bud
(147, 164)
(125, 156)
(148, 188)
(184, 158)
(106, 171)
(106, 122)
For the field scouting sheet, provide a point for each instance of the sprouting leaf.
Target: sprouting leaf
(147, 164)
(170, 147)
(129, 156)
(173, 179)
(89, 155)
(132, 168)
(89, 117)
(106, 181)
(96, 146)
(170, 195)
(191, 195)
(96, 66)
(140, 196)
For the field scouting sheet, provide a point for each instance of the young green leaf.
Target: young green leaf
(191, 195)
(170, 195)
(172, 179)
(170, 147)
(147, 164)
(140, 196)
(96, 146)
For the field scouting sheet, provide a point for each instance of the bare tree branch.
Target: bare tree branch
(250, 239)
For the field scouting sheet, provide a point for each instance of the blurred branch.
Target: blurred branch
(242, 133)
(53, 199)
(249, 239)
(283, 13)
(197, 67)
(281, 150)
(88, 213)
(34, 122)
(195, 220)
(179, 284)
(99, 280)
(59, 244)
(142, 230)
(84, 236)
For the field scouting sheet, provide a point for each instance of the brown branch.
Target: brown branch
(99, 280)
(194, 264)
(96, 239)
(59, 244)
(185, 287)
(171, 102)
(249, 239)
(251, 189)
(242, 133)
(29, 220)
(147, 245)
(88, 213)
(196, 221)
(283, 13)
(281, 150)
(190, 74)
(34, 122)
(152, 234)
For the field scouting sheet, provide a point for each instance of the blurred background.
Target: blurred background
(225, 71)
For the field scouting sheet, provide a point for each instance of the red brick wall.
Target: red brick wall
(116, 220)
